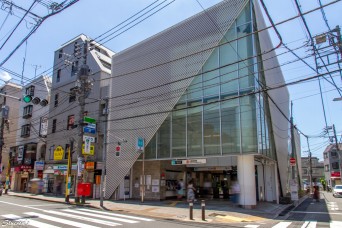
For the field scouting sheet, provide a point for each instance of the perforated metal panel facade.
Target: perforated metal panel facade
(149, 78)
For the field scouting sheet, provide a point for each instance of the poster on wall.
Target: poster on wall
(148, 180)
(155, 182)
(155, 188)
(20, 153)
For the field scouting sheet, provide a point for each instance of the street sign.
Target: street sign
(177, 162)
(140, 144)
(292, 162)
(58, 153)
(88, 138)
(89, 130)
(90, 125)
(91, 150)
(87, 119)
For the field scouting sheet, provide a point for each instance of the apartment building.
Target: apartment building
(64, 114)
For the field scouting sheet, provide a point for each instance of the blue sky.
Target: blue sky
(93, 18)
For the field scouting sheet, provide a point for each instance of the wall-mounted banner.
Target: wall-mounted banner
(20, 153)
(43, 126)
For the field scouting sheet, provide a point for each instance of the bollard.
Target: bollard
(203, 209)
(191, 207)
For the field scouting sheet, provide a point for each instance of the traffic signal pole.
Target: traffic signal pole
(104, 155)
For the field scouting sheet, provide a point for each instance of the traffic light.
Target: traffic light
(35, 100)
(117, 150)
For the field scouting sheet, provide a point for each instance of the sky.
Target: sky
(94, 18)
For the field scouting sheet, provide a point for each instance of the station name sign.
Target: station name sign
(189, 161)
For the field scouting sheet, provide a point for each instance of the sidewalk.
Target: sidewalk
(216, 211)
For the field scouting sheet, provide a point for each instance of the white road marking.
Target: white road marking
(309, 224)
(84, 218)
(282, 225)
(335, 224)
(41, 205)
(25, 221)
(252, 226)
(60, 220)
(118, 215)
(100, 216)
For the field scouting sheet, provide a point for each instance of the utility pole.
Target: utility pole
(337, 150)
(310, 164)
(68, 177)
(83, 85)
(293, 146)
(104, 155)
(35, 69)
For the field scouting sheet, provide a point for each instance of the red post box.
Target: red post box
(84, 189)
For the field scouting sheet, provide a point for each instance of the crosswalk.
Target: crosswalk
(80, 217)
(305, 224)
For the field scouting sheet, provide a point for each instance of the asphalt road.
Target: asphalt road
(22, 212)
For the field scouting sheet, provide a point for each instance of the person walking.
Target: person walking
(191, 191)
(180, 189)
(235, 193)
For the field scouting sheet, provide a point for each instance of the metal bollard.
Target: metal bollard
(203, 209)
(191, 207)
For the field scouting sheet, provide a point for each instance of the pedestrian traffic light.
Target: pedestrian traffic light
(35, 100)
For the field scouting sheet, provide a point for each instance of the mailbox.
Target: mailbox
(84, 189)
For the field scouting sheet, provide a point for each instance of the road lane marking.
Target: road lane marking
(282, 225)
(100, 216)
(309, 224)
(312, 212)
(117, 215)
(41, 205)
(60, 220)
(84, 218)
(252, 226)
(30, 222)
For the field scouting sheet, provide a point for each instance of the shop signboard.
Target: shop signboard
(58, 153)
(39, 165)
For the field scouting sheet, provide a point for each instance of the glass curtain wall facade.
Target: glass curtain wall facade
(220, 114)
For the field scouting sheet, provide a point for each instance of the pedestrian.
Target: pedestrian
(180, 189)
(235, 190)
(191, 191)
(316, 195)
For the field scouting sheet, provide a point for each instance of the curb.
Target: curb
(292, 206)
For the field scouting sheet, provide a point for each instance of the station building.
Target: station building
(201, 96)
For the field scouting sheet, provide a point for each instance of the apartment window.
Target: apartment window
(27, 113)
(60, 54)
(72, 95)
(326, 168)
(58, 79)
(333, 154)
(334, 165)
(30, 90)
(54, 125)
(305, 172)
(71, 122)
(74, 68)
(25, 130)
(56, 99)
(325, 155)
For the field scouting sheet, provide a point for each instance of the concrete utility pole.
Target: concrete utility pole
(83, 86)
(293, 146)
(310, 164)
(337, 150)
(104, 154)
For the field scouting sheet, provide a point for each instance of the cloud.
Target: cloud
(5, 76)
